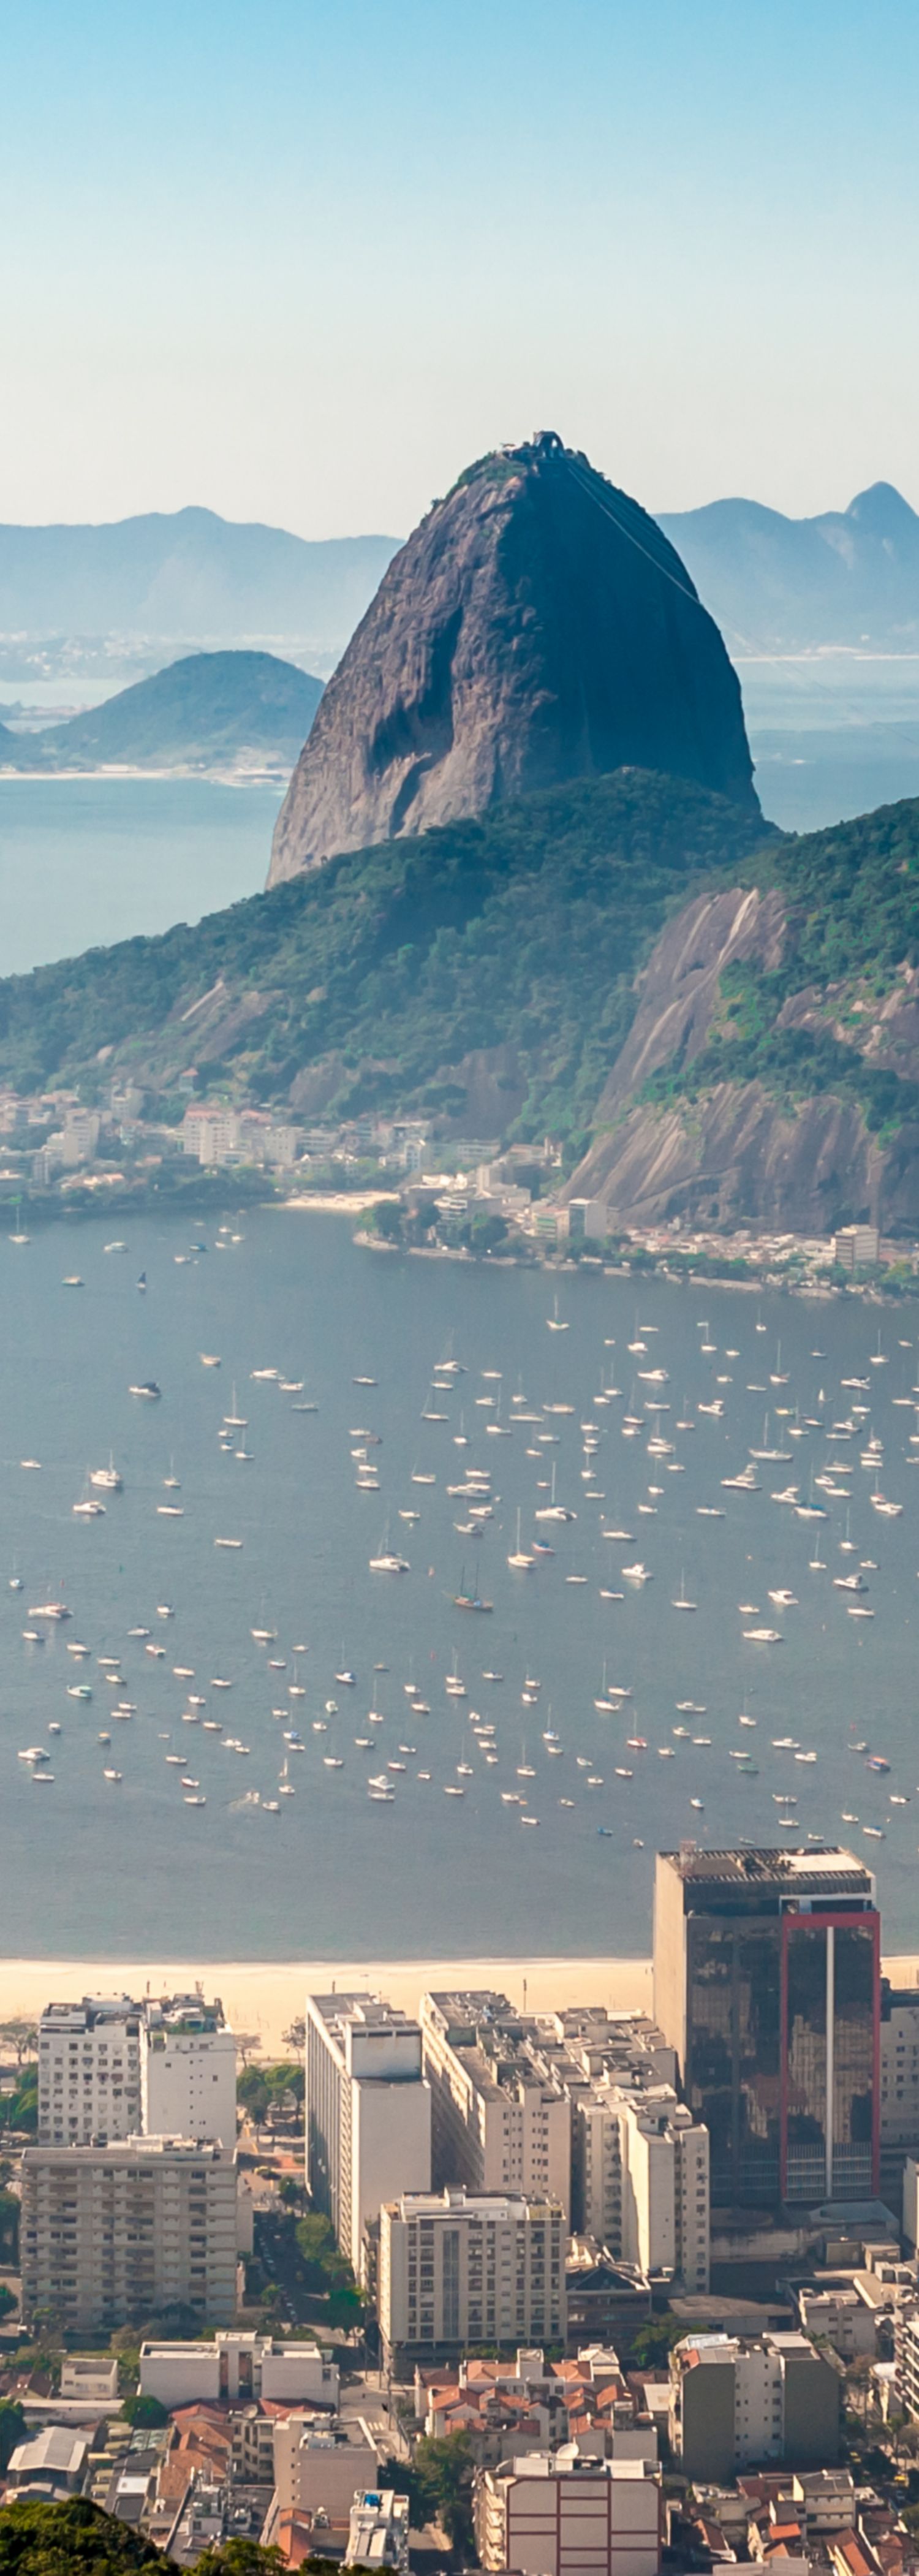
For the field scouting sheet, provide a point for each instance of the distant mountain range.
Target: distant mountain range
(849, 577)
(187, 574)
(208, 711)
(773, 584)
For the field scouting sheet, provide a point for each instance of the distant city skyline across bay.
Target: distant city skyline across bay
(300, 263)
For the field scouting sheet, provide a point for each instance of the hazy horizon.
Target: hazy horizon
(311, 261)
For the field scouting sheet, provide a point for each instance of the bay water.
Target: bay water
(93, 1867)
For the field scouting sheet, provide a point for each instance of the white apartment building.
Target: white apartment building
(735, 2403)
(110, 2068)
(645, 2181)
(458, 2268)
(187, 2071)
(498, 2123)
(906, 2355)
(237, 2369)
(218, 1136)
(899, 2066)
(553, 2512)
(378, 2530)
(89, 2071)
(367, 2112)
(111, 2233)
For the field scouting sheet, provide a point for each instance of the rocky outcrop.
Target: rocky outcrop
(536, 628)
(737, 1154)
(679, 987)
(739, 1157)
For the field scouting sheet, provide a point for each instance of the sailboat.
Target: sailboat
(386, 1561)
(554, 1321)
(681, 1602)
(765, 1451)
(553, 1511)
(464, 1600)
(519, 1559)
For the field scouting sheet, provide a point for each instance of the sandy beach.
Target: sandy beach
(262, 1998)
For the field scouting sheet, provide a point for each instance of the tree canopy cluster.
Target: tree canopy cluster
(75, 2538)
(393, 966)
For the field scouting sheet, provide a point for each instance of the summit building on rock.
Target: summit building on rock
(538, 627)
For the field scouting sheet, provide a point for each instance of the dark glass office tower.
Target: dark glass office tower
(767, 1983)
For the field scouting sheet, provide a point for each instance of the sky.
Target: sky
(301, 260)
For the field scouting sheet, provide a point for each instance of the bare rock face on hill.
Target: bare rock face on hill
(537, 627)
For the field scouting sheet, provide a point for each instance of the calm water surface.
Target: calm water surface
(85, 861)
(90, 1867)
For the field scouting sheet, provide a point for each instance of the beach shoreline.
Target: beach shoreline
(262, 1998)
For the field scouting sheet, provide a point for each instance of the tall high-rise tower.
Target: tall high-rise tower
(767, 1983)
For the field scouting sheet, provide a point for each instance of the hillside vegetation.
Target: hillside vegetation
(384, 975)
(837, 1014)
(204, 711)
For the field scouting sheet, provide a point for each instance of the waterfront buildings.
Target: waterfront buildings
(772, 2398)
(367, 2113)
(187, 2071)
(110, 2068)
(857, 1247)
(89, 2071)
(458, 2268)
(552, 2512)
(767, 1983)
(122, 2232)
(579, 2105)
(498, 2120)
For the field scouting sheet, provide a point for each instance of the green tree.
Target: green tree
(13, 2429)
(9, 2226)
(19, 2109)
(271, 2092)
(240, 2558)
(327, 2271)
(69, 2539)
(654, 2341)
(22, 2037)
(438, 2483)
(144, 2410)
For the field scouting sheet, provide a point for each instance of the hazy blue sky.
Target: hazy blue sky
(302, 259)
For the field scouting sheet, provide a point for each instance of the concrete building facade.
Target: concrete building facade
(187, 2071)
(318, 2467)
(458, 2268)
(497, 2123)
(645, 2182)
(110, 2068)
(556, 2514)
(736, 2405)
(378, 2530)
(89, 2071)
(367, 2112)
(109, 2234)
(238, 2368)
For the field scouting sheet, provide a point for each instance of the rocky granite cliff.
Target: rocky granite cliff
(770, 1075)
(536, 628)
